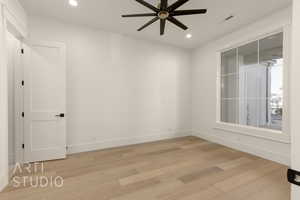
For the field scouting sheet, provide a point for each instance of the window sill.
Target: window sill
(267, 134)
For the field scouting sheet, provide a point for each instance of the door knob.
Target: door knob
(60, 115)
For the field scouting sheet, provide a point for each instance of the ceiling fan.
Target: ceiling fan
(164, 12)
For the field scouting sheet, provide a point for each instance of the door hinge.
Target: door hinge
(23, 146)
(23, 114)
(22, 51)
(293, 177)
(23, 82)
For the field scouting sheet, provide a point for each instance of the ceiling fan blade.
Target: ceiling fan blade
(164, 4)
(149, 23)
(177, 23)
(148, 5)
(162, 26)
(176, 5)
(188, 12)
(141, 15)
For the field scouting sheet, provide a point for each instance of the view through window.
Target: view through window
(252, 83)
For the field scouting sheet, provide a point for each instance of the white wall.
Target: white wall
(205, 63)
(120, 90)
(3, 106)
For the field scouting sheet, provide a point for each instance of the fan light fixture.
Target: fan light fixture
(164, 12)
(73, 3)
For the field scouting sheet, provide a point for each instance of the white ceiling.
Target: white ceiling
(106, 15)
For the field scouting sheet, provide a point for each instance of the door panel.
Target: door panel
(44, 99)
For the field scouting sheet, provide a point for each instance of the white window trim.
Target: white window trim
(280, 136)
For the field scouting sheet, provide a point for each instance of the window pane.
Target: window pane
(229, 111)
(253, 112)
(271, 57)
(250, 84)
(248, 55)
(229, 64)
(229, 86)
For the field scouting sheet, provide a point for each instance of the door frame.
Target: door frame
(295, 97)
(19, 106)
(19, 84)
(18, 99)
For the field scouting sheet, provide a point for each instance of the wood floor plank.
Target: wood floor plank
(234, 163)
(140, 177)
(197, 175)
(244, 178)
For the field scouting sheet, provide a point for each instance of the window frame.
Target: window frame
(275, 135)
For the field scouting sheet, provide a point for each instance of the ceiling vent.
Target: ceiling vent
(229, 18)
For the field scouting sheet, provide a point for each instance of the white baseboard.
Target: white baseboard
(266, 154)
(78, 148)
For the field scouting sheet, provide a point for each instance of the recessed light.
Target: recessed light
(73, 3)
(189, 36)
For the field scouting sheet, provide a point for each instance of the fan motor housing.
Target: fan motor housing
(163, 15)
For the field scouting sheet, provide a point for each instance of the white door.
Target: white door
(295, 99)
(44, 101)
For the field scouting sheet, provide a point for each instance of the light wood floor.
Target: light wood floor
(179, 169)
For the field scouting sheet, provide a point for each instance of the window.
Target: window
(252, 83)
